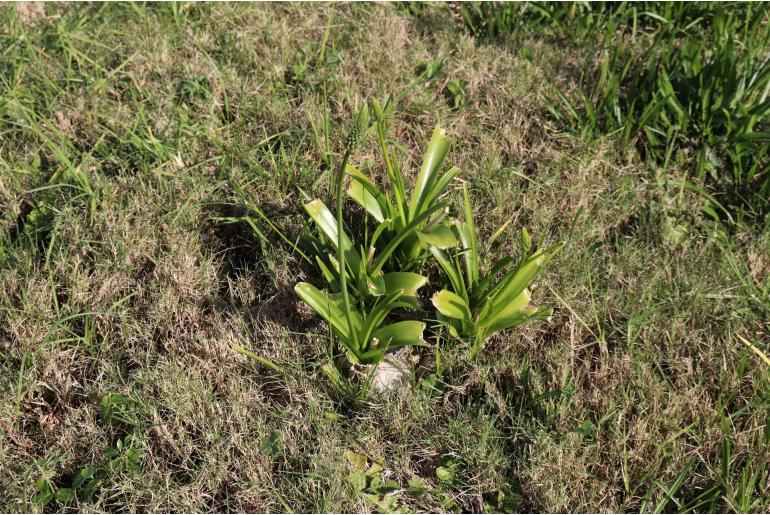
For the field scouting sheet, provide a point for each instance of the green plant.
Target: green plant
(714, 96)
(447, 471)
(196, 88)
(358, 321)
(367, 482)
(495, 21)
(696, 89)
(407, 223)
(117, 408)
(361, 332)
(455, 93)
(363, 273)
(686, 81)
(504, 500)
(477, 307)
(479, 304)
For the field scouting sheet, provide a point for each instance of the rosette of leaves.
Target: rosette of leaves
(361, 331)
(480, 304)
(359, 296)
(408, 223)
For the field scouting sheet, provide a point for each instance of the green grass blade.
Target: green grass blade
(260, 359)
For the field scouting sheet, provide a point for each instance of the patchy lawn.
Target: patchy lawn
(131, 134)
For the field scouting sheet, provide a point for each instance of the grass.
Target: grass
(683, 82)
(138, 141)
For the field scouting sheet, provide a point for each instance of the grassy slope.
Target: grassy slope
(135, 290)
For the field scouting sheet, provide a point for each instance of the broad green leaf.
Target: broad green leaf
(44, 493)
(327, 224)
(357, 460)
(385, 503)
(330, 277)
(455, 327)
(445, 474)
(530, 313)
(269, 444)
(377, 315)
(482, 289)
(451, 305)
(357, 480)
(470, 255)
(366, 194)
(361, 195)
(404, 233)
(84, 475)
(517, 305)
(369, 357)
(330, 307)
(440, 236)
(510, 314)
(324, 219)
(539, 314)
(515, 281)
(441, 184)
(359, 176)
(65, 495)
(383, 227)
(376, 284)
(407, 281)
(312, 244)
(408, 332)
(431, 165)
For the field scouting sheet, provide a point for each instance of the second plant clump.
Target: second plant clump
(367, 281)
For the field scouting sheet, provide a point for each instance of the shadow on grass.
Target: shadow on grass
(258, 269)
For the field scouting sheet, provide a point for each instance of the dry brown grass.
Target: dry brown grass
(147, 295)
